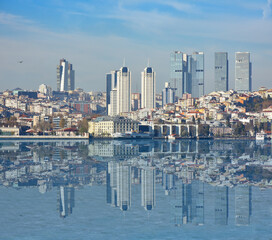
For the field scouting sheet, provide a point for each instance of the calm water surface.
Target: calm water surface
(136, 190)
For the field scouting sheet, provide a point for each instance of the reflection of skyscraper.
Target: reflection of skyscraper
(148, 188)
(242, 205)
(221, 205)
(168, 182)
(112, 184)
(198, 202)
(182, 203)
(66, 200)
(123, 187)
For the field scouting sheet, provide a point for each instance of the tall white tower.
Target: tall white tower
(123, 90)
(148, 88)
(65, 76)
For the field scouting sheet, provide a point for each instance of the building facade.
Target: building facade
(111, 83)
(243, 81)
(168, 94)
(196, 70)
(148, 88)
(123, 90)
(65, 76)
(221, 71)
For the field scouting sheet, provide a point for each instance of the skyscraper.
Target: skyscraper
(148, 88)
(179, 72)
(196, 70)
(168, 94)
(111, 83)
(243, 81)
(221, 68)
(65, 76)
(123, 90)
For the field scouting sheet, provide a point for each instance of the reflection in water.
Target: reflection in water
(199, 179)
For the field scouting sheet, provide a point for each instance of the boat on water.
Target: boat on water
(172, 137)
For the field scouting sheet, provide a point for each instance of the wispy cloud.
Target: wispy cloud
(267, 9)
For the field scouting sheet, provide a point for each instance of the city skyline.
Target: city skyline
(95, 37)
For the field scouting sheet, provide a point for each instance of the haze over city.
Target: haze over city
(97, 36)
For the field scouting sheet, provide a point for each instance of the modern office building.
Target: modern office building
(179, 72)
(123, 90)
(221, 68)
(65, 76)
(111, 83)
(168, 94)
(196, 70)
(148, 88)
(243, 81)
(148, 187)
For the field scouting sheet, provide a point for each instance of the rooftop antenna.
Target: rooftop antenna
(148, 62)
(124, 62)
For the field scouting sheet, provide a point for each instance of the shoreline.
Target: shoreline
(22, 137)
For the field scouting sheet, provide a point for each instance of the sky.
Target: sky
(98, 36)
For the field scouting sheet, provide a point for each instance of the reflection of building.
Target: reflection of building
(198, 202)
(182, 203)
(242, 205)
(148, 188)
(168, 182)
(221, 205)
(123, 186)
(112, 184)
(66, 200)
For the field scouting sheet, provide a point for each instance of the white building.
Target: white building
(46, 90)
(65, 76)
(123, 90)
(148, 88)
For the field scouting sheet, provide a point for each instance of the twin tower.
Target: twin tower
(118, 90)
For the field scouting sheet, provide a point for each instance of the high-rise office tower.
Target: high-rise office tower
(168, 94)
(123, 186)
(179, 72)
(243, 81)
(221, 68)
(196, 70)
(111, 83)
(123, 90)
(148, 188)
(148, 88)
(65, 76)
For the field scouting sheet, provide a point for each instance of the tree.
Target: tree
(193, 119)
(239, 129)
(204, 130)
(62, 123)
(198, 121)
(83, 126)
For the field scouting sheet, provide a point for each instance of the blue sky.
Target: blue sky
(97, 35)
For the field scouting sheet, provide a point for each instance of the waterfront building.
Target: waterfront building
(106, 126)
(221, 75)
(243, 80)
(148, 188)
(179, 72)
(168, 94)
(196, 70)
(148, 88)
(65, 76)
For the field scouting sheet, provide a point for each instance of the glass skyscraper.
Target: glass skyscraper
(178, 72)
(221, 68)
(197, 74)
(243, 81)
